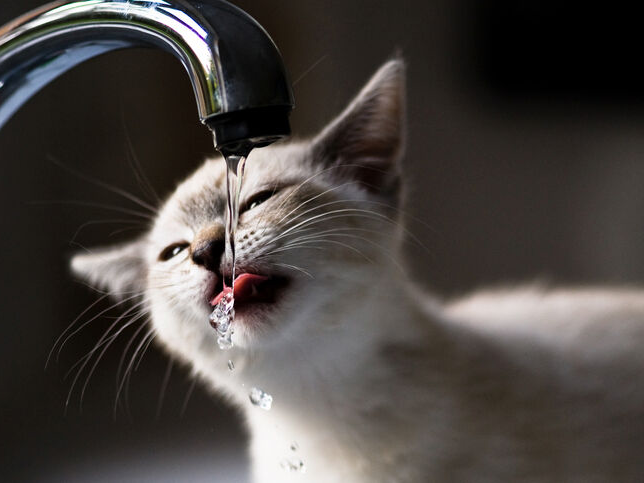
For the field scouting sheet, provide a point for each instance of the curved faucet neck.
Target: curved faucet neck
(236, 72)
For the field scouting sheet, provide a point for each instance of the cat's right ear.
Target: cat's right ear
(366, 142)
(120, 270)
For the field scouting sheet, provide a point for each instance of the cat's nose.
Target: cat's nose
(208, 247)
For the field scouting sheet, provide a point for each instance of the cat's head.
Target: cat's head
(318, 221)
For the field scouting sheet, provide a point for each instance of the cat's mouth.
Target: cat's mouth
(252, 288)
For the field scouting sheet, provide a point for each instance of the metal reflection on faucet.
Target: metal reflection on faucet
(237, 74)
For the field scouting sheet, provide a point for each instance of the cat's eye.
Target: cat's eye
(257, 199)
(172, 251)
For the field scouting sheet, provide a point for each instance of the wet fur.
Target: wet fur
(373, 379)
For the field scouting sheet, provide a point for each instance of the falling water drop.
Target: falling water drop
(260, 399)
(293, 465)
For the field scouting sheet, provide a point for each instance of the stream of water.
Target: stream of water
(223, 313)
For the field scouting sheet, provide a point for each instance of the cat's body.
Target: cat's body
(373, 380)
(499, 386)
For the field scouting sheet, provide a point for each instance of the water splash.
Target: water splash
(260, 399)
(221, 319)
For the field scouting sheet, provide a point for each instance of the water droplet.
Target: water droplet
(231, 365)
(260, 398)
(225, 342)
(219, 321)
(228, 301)
(293, 465)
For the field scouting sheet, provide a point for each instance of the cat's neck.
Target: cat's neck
(325, 381)
(340, 337)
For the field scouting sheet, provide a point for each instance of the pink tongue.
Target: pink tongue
(243, 287)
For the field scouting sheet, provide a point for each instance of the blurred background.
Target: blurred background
(524, 159)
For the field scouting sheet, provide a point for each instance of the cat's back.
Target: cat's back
(589, 323)
(549, 384)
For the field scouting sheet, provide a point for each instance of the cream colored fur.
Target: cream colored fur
(375, 381)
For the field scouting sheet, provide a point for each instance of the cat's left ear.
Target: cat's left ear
(366, 141)
(120, 269)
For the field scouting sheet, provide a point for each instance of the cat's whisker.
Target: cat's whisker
(309, 70)
(335, 242)
(92, 204)
(147, 345)
(164, 387)
(106, 186)
(88, 356)
(85, 324)
(122, 293)
(331, 215)
(186, 399)
(115, 293)
(263, 216)
(122, 360)
(362, 213)
(308, 200)
(137, 169)
(316, 208)
(78, 317)
(306, 242)
(293, 267)
(402, 212)
(74, 243)
(339, 232)
(93, 288)
(375, 213)
(125, 382)
(313, 198)
(100, 341)
(105, 347)
(341, 201)
(315, 175)
(299, 186)
(333, 230)
(123, 356)
(101, 222)
(382, 249)
(282, 248)
(303, 183)
(123, 230)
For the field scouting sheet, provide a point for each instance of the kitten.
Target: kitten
(374, 380)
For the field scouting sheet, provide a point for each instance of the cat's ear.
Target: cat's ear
(366, 141)
(120, 270)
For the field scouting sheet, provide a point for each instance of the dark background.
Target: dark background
(524, 155)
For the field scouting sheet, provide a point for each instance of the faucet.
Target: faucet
(236, 71)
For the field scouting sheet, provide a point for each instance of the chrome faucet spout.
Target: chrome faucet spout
(236, 71)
